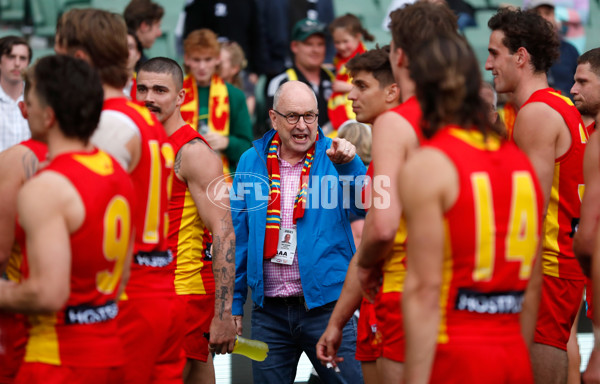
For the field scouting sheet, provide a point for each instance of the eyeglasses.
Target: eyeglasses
(293, 118)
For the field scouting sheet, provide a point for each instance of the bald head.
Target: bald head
(292, 89)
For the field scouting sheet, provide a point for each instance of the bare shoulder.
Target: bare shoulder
(429, 174)
(393, 124)
(532, 117)
(196, 160)
(49, 196)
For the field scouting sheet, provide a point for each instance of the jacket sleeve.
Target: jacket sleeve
(239, 215)
(353, 173)
(240, 129)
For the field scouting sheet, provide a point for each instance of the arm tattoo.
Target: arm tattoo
(177, 165)
(30, 164)
(224, 272)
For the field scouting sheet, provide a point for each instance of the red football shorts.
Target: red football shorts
(58, 374)
(367, 341)
(559, 304)
(483, 362)
(199, 311)
(389, 323)
(152, 334)
(13, 338)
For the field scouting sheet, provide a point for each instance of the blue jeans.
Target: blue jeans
(290, 330)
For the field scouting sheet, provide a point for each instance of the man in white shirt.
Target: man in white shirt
(15, 56)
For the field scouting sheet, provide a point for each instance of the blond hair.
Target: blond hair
(360, 135)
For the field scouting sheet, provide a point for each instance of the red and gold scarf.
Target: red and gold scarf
(274, 208)
(218, 108)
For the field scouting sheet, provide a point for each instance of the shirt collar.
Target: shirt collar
(5, 98)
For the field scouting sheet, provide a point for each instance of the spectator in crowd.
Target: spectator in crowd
(359, 135)
(144, 17)
(135, 54)
(348, 35)
(15, 56)
(214, 108)
(231, 20)
(280, 16)
(572, 16)
(231, 68)
(308, 47)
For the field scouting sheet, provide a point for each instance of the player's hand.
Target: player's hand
(238, 324)
(592, 372)
(328, 345)
(222, 334)
(216, 141)
(370, 281)
(342, 151)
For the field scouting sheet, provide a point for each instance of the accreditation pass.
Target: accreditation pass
(286, 247)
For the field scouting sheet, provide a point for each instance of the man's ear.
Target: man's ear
(294, 47)
(273, 116)
(392, 93)
(23, 109)
(180, 97)
(522, 56)
(49, 117)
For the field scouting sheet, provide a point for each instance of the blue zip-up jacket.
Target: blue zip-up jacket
(325, 244)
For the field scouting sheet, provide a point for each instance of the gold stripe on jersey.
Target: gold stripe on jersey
(99, 163)
(190, 250)
(476, 139)
(445, 288)
(13, 266)
(394, 271)
(42, 346)
(551, 248)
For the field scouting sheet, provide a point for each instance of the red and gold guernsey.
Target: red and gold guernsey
(562, 217)
(394, 268)
(152, 268)
(189, 239)
(491, 237)
(84, 331)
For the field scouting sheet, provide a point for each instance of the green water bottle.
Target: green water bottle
(252, 349)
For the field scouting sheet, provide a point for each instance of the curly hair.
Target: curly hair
(530, 31)
(448, 83)
(412, 26)
(375, 61)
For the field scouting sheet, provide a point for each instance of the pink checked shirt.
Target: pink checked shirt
(284, 280)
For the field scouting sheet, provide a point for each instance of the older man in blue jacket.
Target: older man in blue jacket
(296, 182)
